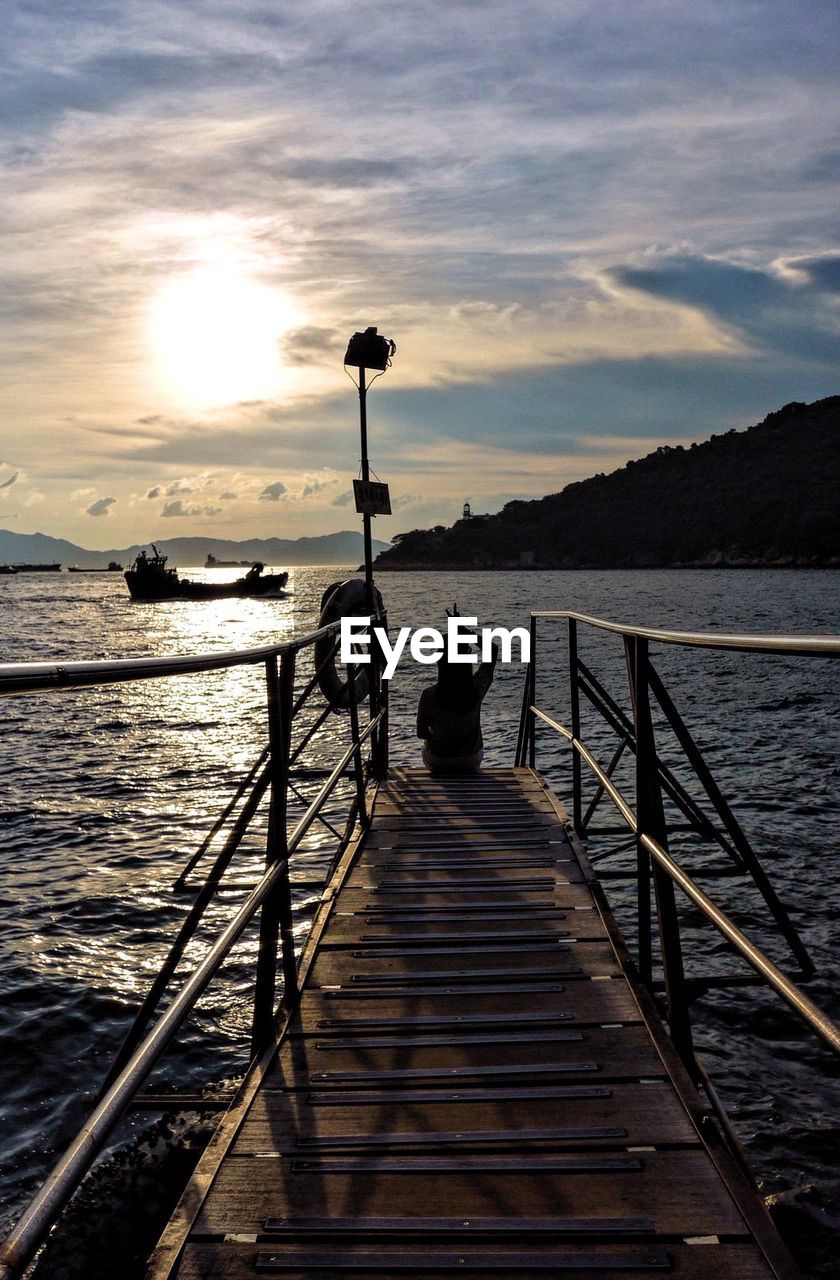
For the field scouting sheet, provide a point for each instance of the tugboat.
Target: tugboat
(150, 579)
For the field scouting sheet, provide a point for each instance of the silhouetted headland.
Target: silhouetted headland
(764, 497)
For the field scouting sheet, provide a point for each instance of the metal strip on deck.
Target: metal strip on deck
(472, 1082)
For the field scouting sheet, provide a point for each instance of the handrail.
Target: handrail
(818, 1021)
(814, 646)
(270, 897)
(34, 677)
(54, 1194)
(657, 874)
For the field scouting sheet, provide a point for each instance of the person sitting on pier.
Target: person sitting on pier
(449, 716)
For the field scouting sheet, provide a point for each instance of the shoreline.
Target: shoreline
(421, 567)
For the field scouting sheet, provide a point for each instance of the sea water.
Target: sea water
(106, 793)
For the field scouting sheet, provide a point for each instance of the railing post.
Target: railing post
(574, 700)
(276, 915)
(731, 825)
(358, 766)
(650, 816)
(532, 701)
(383, 732)
(522, 733)
(378, 702)
(643, 765)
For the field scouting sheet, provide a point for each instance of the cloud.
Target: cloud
(176, 508)
(571, 411)
(273, 492)
(227, 496)
(825, 272)
(101, 507)
(512, 160)
(318, 485)
(7, 484)
(771, 311)
(311, 345)
(185, 485)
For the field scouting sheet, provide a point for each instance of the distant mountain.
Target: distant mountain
(39, 548)
(769, 495)
(344, 548)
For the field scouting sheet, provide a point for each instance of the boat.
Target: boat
(150, 579)
(7, 568)
(114, 566)
(212, 563)
(36, 568)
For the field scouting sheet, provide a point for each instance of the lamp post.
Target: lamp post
(367, 532)
(365, 351)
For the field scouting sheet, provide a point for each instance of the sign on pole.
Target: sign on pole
(372, 498)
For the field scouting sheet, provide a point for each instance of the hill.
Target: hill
(331, 548)
(769, 495)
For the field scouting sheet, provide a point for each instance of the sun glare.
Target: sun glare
(216, 332)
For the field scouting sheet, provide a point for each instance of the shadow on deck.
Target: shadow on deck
(474, 1080)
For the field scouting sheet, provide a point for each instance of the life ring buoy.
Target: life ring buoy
(341, 600)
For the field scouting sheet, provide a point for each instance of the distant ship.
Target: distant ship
(7, 568)
(36, 568)
(149, 579)
(114, 566)
(212, 563)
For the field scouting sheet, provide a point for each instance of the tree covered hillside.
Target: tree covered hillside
(767, 495)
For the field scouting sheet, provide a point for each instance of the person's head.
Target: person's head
(455, 687)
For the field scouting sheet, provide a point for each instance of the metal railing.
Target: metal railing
(271, 899)
(658, 784)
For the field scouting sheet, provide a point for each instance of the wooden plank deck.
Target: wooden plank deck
(473, 1081)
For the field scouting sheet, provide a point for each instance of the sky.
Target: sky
(591, 226)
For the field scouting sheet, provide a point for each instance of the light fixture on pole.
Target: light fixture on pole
(369, 350)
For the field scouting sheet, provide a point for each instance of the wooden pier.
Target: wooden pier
(473, 1082)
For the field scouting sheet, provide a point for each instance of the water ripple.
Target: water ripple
(105, 794)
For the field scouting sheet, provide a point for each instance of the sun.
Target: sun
(215, 334)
